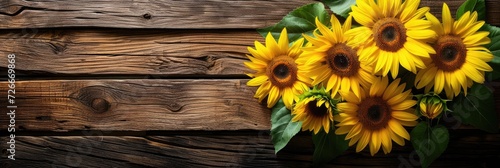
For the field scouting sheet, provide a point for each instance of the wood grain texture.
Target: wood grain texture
(253, 150)
(188, 14)
(121, 51)
(136, 105)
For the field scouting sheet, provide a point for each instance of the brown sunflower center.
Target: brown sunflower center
(316, 111)
(374, 113)
(343, 60)
(450, 53)
(282, 71)
(389, 34)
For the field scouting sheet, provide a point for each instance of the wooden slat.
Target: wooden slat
(142, 105)
(119, 51)
(254, 150)
(136, 105)
(190, 14)
(167, 13)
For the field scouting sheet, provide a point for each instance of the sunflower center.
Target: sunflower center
(389, 34)
(450, 53)
(343, 60)
(282, 71)
(315, 110)
(374, 113)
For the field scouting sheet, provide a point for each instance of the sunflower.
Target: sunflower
(277, 70)
(315, 110)
(460, 57)
(329, 60)
(377, 116)
(393, 34)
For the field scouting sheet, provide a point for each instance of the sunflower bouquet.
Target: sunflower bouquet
(376, 72)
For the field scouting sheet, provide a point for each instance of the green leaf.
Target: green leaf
(477, 108)
(282, 127)
(494, 47)
(301, 20)
(328, 146)
(473, 5)
(340, 7)
(429, 143)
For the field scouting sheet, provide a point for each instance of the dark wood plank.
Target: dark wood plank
(125, 51)
(189, 14)
(253, 150)
(136, 105)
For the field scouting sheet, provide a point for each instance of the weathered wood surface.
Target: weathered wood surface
(188, 14)
(204, 150)
(84, 100)
(136, 105)
(124, 52)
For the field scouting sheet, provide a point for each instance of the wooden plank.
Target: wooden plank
(189, 14)
(142, 105)
(119, 51)
(136, 105)
(253, 150)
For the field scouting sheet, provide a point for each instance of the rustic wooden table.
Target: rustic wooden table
(139, 83)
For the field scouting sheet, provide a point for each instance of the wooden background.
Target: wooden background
(139, 83)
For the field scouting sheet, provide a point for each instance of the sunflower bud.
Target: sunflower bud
(315, 110)
(431, 105)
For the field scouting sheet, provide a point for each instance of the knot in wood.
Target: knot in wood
(174, 107)
(100, 105)
(147, 16)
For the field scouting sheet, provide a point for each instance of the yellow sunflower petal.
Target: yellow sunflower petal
(473, 73)
(447, 19)
(435, 24)
(355, 131)
(479, 38)
(272, 45)
(396, 138)
(398, 129)
(439, 81)
(257, 81)
(263, 90)
(404, 116)
(273, 96)
(408, 9)
(385, 139)
(421, 34)
(283, 41)
(404, 105)
(363, 141)
(375, 142)
(288, 97)
(343, 130)
(479, 64)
